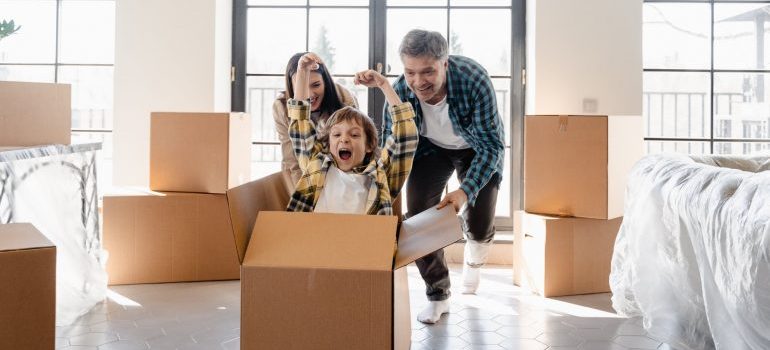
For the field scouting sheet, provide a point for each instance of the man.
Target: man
(460, 130)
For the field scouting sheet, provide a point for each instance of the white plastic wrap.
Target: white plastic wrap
(693, 254)
(54, 188)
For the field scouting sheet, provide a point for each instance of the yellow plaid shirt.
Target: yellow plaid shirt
(388, 172)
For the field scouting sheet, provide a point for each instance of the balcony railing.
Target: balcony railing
(686, 117)
(263, 127)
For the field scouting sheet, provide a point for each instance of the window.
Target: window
(67, 41)
(354, 34)
(705, 83)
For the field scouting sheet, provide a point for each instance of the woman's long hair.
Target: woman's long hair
(331, 101)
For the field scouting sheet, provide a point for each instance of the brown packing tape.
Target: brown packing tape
(563, 120)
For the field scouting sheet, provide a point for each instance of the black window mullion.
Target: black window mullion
(448, 23)
(377, 55)
(713, 112)
(56, 49)
(238, 85)
(518, 65)
(307, 25)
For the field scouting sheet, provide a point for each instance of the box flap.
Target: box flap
(340, 241)
(22, 236)
(425, 233)
(239, 150)
(245, 201)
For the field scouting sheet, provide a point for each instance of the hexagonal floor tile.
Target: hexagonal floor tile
(93, 339)
(558, 339)
(636, 342)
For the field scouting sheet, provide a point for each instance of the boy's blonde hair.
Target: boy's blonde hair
(349, 113)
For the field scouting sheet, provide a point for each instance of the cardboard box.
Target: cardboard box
(327, 281)
(199, 152)
(578, 165)
(156, 237)
(556, 256)
(34, 114)
(28, 295)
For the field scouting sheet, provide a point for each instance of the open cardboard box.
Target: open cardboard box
(327, 281)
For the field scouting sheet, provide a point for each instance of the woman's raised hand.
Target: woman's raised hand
(306, 64)
(309, 62)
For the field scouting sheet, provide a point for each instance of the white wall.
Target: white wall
(170, 55)
(587, 49)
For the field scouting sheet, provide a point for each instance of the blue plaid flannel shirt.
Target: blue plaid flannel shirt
(474, 116)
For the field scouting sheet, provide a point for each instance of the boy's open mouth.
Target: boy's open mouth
(345, 154)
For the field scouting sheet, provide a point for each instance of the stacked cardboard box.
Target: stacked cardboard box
(180, 229)
(343, 274)
(33, 114)
(575, 172)
(28, 295)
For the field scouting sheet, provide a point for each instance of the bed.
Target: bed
(693, 253)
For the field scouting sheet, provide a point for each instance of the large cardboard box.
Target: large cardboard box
(578, 165)
(34, 114)
(156, 237)
(327, 281)
(28, 293)
(199, 152)
(556, 256)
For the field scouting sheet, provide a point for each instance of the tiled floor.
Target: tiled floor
(205, 315)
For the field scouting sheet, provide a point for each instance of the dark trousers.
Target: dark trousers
(426, 184)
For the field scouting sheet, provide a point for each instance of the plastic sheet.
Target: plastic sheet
(693, 254)
(54, 188)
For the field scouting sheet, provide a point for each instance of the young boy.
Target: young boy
(342, 169)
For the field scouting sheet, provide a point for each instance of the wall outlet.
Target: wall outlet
(590, 105)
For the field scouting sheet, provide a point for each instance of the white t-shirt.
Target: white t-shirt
(343, 193)
(437, 127)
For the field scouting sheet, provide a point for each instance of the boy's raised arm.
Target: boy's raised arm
(399, 147)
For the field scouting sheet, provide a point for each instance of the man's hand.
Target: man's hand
(457, 198)
(374, 79)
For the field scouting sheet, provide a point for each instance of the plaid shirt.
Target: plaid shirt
(388, 172)
(474, 116)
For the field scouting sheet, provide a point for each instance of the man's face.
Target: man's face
(347, 144)
(426, 77)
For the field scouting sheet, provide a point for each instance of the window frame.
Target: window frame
(711, 71)
(378, 52)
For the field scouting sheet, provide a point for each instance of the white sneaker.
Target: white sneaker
(471, 278)
(432, 313)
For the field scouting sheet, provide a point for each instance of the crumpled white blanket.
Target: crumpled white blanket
(693, 253)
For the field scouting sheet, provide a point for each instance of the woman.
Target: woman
(325, 98)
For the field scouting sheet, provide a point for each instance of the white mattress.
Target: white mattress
(693, 254)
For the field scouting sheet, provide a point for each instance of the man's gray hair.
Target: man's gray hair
(421, 43)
